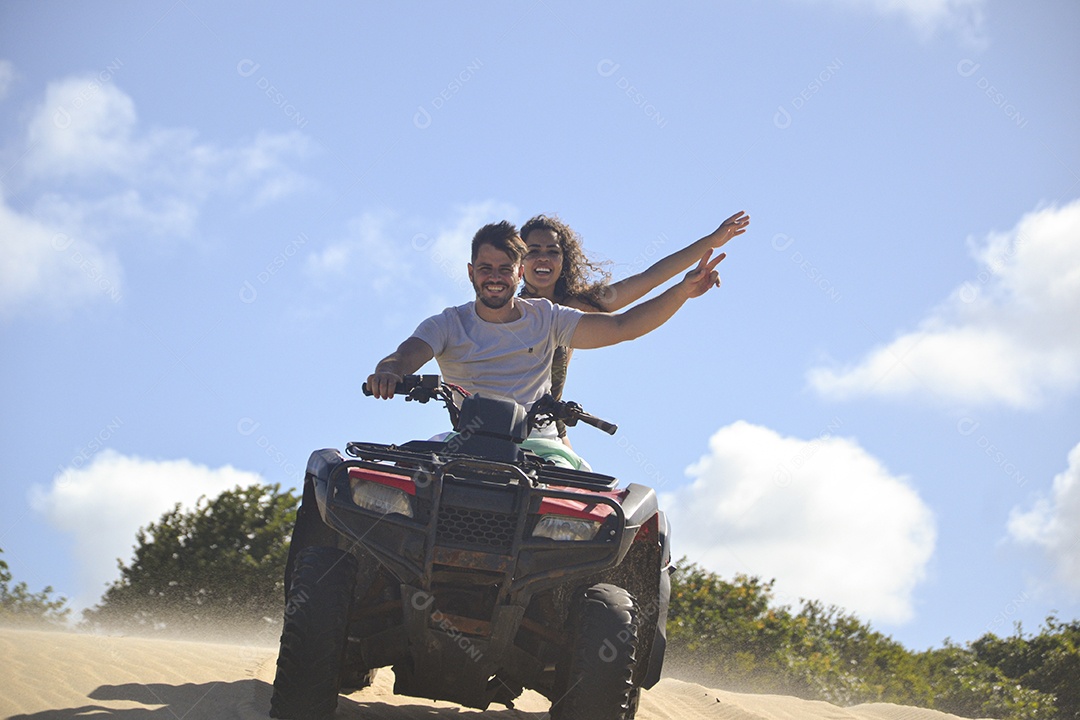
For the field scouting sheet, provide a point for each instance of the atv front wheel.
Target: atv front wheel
(313, 638)
(595, 682)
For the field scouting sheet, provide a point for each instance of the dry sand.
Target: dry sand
(65, 676)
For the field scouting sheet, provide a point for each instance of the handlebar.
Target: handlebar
(609, 428)
(547, 409)
(415, 387)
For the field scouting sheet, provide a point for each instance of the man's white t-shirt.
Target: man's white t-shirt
(510, 359)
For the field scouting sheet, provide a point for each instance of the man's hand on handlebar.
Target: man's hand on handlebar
(382, 384)
(422, 388)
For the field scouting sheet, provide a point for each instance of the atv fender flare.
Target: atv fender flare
(639, 505)
(320, 466)
(655, 662)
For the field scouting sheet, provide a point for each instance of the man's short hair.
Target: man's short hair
(501, 236)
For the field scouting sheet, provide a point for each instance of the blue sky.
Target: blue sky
(215, 220)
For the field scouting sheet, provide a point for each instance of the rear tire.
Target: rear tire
(314, 635)
(632, 704)
(310, 530)
(595, 681)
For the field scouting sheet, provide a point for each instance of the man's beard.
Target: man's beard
(493, 303)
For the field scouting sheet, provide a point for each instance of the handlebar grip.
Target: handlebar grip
(609, 428)
(402, 388)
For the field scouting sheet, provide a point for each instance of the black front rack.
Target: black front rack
(394, 453)
(430, 453)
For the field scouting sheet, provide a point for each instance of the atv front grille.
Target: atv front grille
(482, 529)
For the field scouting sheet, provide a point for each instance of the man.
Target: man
(503, 344)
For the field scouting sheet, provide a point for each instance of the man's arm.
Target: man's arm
(629, 290)
(596, 330)
(407, 359)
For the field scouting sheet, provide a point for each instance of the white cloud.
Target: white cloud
(392, 254)
(104, 503)
(445, 253)
(367, 247)
(258, 170)
(333, 260)
(7, 78)
(822, 517)
(83, 127)
(450, 248)
(43, 267)
(1053, 524)
(1001, 338)
(89, 129)
(928, 17)
(106, 181)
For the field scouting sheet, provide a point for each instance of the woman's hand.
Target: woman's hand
(703, 277)
(733, 226)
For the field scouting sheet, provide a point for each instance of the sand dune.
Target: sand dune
(65, 676)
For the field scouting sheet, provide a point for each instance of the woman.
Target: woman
(556, 268)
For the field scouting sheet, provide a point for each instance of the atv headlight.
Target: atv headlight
(380, 498)
(560, 527)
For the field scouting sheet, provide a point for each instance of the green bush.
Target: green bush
(223, 560)
(218, 565)
(20, 607)
(733, 636)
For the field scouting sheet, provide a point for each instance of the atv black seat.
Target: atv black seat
(491, 427)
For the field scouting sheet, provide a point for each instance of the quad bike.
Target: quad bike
(474, 568)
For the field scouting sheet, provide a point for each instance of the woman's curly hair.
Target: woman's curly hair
(581, 278)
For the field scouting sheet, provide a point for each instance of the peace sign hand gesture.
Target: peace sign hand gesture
(702, 278)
